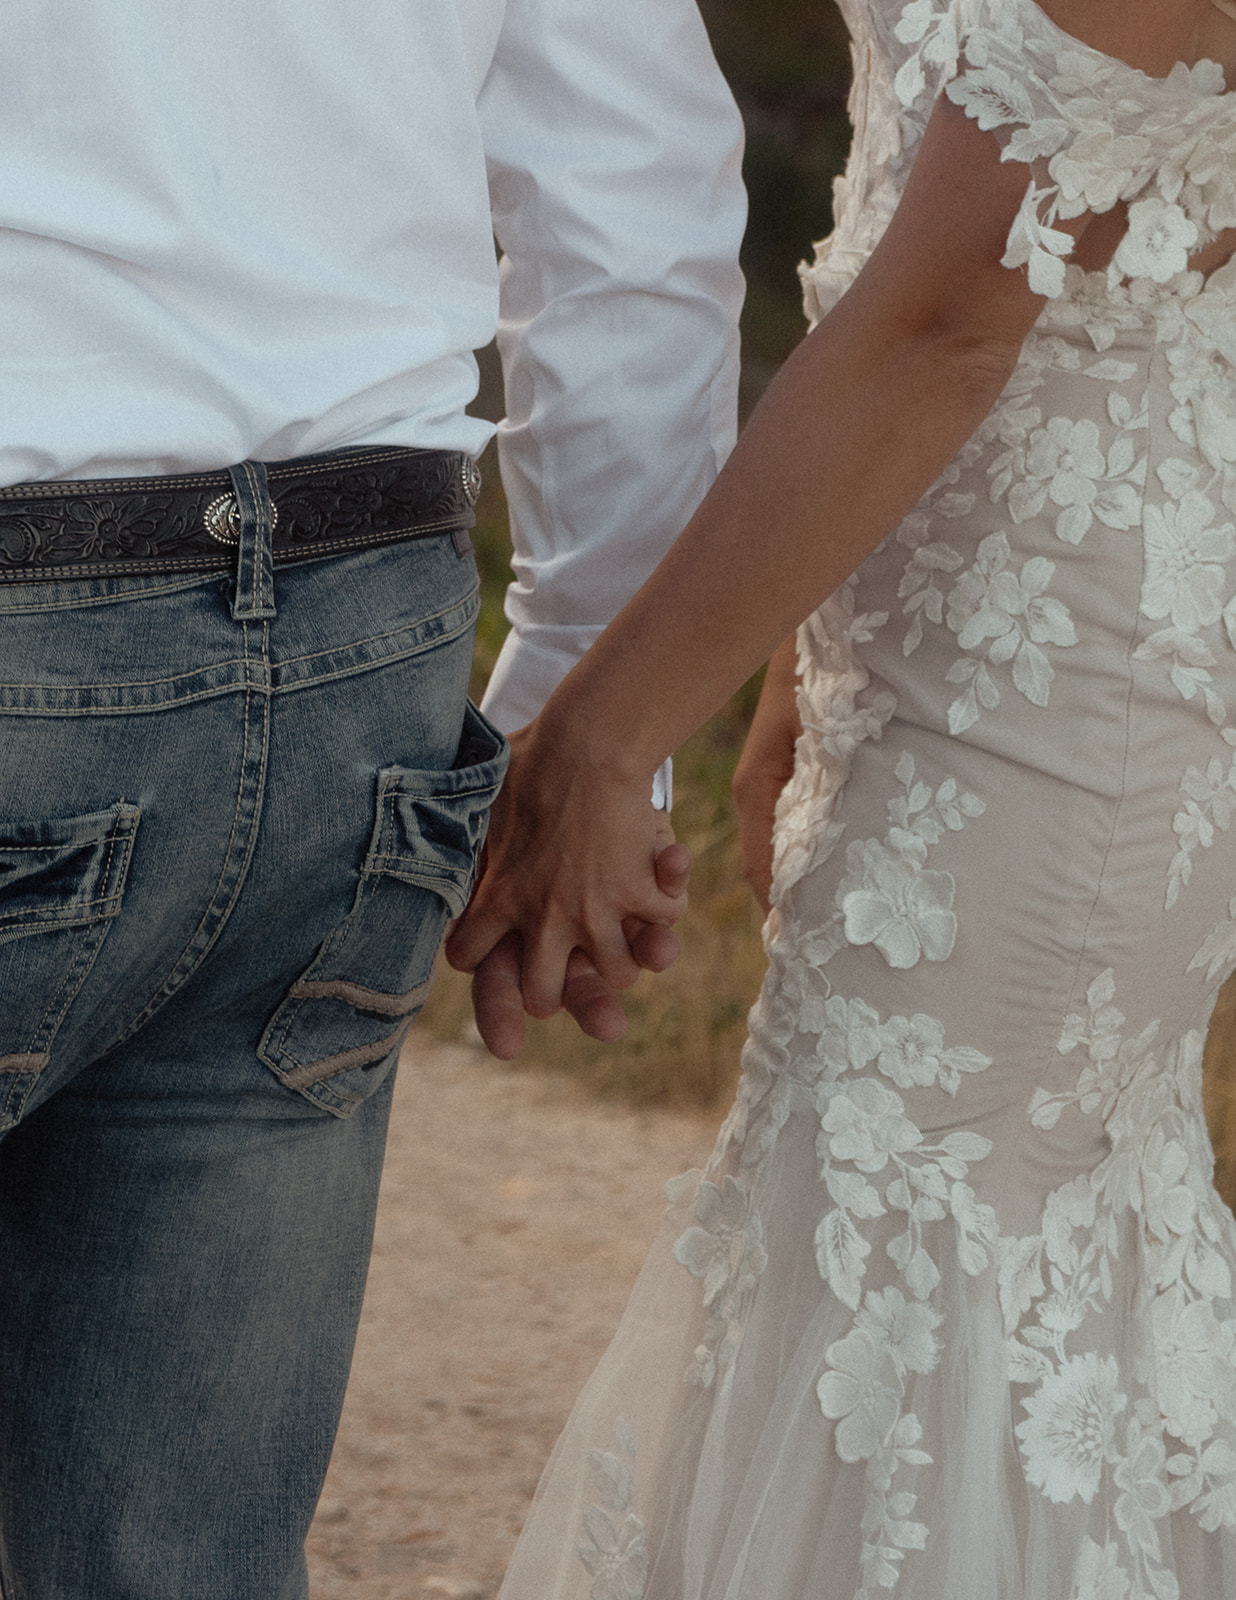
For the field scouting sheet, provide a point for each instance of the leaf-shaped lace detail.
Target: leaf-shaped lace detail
(726, 1250)
(1093, 131)
(613, 1551)
(1080, 1426)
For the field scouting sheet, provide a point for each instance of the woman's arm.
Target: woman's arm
(854, 429)
(765, 767)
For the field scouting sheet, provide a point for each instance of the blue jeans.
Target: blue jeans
(234, 818)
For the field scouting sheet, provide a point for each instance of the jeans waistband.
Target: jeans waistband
(319, 505)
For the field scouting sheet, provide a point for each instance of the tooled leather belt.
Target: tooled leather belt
(323, 505)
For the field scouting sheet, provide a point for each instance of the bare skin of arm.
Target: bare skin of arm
(765, 767)
(767, 760)
(853, 430)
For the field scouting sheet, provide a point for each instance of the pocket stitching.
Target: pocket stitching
(123, 832)
(381, 861)
(118, 841)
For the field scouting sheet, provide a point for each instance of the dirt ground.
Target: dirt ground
(515, 1213)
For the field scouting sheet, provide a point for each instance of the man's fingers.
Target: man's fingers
(653, 945)
(472, 936)
(590, 1000)
(498, 1002)
(496, 999)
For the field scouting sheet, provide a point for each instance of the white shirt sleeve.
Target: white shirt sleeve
(614, 152)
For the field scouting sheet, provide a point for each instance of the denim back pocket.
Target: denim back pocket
(335, 1035)
(61, 883)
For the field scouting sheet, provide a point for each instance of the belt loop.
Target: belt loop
(254, 599)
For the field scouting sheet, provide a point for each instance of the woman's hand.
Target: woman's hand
(765, 767)
(581, 885)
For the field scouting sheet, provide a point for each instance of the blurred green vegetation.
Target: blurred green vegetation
(788, 64)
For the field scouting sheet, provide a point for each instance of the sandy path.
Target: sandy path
(515, 1214)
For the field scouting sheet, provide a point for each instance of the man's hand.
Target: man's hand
(765, 767)
(582, 884)
(498, 1003)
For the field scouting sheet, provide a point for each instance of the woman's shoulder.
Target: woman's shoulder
(1158, 39)
(1163, 40)
(1153, 36)
(1110, 103)
(1158, 57)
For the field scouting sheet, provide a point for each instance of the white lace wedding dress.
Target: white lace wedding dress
(950, 1315)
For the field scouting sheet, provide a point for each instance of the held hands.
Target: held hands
(582, 884)
(583, 880)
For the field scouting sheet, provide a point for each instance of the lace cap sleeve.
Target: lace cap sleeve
(1093, 131)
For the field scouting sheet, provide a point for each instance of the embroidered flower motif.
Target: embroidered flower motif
(1209, 804)
(1185, 556)
(1195, 1376)
(1068, 1433)
(912, 1054)
(614, 1552)
(906, 1328)
(727, 1252)
(990, 602)
(1098, 1574)
(1143, 1499)
(616, 1557)
(1093, 171)
(935, 33)
(1065, 457)
(862, 1393)
(1218, 950)
(727, 1249)
(1063, 461)
(887, 897)
(865, 1122)
(839, 711)
(1167, 1204)
(850, 1037)
(1191, 659)
(901, 908)
(1158, 242)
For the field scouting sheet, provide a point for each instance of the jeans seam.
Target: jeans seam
(176, 583)
(230, 685)
(290, 1007)
(79, 968)
(422, 625)
(198, 946)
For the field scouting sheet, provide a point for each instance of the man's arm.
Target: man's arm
(614, 152)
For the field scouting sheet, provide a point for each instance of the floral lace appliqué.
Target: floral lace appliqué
(1170, 1445)
(865, 1135)
(1093, 131)
(613, 1550)
(888, 896)
(1006, 616)
(726, 1250)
